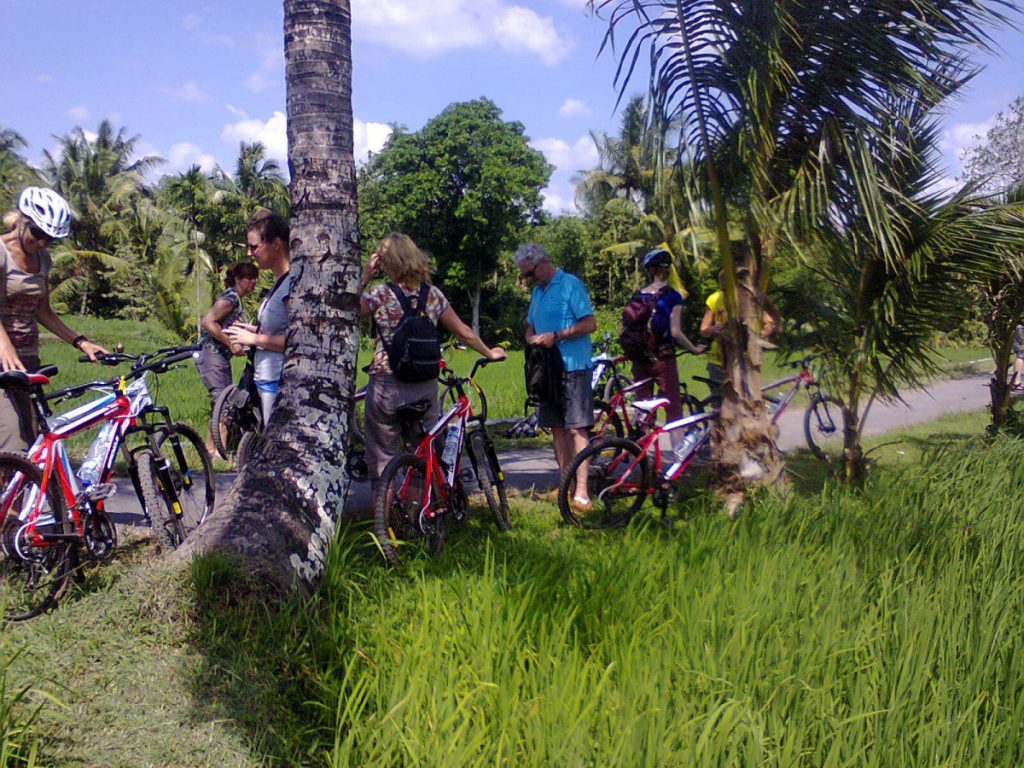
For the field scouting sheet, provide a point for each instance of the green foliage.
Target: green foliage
(834, 628)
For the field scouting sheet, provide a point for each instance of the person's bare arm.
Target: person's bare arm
(49, 320)
(211, 321)
(680, 338)
(454, 324)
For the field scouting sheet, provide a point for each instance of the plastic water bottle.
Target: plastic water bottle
(451, 447)
(89, 472)
(690, 439)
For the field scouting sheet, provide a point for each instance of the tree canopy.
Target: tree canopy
(462, 187)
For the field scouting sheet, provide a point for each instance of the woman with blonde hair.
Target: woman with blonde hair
(407, 270)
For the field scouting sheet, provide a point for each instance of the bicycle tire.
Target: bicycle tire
(163, 522)
(609, 460)
(30, 585)
(196, 489)
(490, 483)
(605, 418)
(615, 383)
(822, 428)
(450, 396)
(225, 426)
(691, 405)
(245, 448)
(396, 504)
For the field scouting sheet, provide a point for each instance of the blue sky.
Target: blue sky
(193, 79)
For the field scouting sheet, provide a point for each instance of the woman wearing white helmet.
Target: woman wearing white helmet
(42, 217)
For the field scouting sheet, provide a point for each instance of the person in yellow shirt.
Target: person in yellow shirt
(711, 327)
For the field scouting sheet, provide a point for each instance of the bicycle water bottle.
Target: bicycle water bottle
(689, 440)
(451, 447)
(89, 472)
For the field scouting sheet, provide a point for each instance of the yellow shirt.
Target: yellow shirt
(716, 303)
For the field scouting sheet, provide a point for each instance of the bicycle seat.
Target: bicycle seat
(410, 413)
(650, 405)
(20, 379)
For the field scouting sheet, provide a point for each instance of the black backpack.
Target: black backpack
(637, 338)
(414, 353)
(544, 375)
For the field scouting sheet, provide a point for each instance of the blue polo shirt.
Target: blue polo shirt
(561, 303)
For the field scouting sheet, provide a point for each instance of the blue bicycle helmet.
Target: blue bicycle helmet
(659, 257)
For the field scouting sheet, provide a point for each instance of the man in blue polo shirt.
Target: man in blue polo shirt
(560, 314)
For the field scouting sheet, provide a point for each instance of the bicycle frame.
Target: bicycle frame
(650, 445)
(619, 403)
(461, 413)
(123, 408)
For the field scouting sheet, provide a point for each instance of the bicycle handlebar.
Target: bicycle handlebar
(158, 361)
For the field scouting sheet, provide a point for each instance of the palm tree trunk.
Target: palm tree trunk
(281, 513)
(999, 386)
(476, 310)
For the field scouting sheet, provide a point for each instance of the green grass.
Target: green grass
(876, 627)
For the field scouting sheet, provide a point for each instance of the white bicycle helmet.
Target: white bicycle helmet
(47, 209)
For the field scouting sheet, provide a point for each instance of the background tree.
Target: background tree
(885, 261)
(762, 90)
(996, 163)
(281, 512)
(462, 187)
(99, 177)
(15, 172)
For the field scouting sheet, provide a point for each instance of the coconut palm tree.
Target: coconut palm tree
(282, 510)
(764, 90)
(99, 177)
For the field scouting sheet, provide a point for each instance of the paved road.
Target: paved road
(526, 469)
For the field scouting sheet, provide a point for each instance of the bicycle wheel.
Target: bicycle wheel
(397, 504)
(225, 424)
(245, 447)
(618, 481)
(615, 383)
(157, 507)
(691, 405)
(33, 573)
(606, 421)
(477, 400)
(191, 473)
(822, 427)
(492, 485)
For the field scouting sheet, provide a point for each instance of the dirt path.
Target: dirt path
(535, 468)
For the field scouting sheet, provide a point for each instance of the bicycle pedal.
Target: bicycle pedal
(101, 491)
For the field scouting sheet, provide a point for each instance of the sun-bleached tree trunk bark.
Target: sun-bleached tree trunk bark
(281, 513)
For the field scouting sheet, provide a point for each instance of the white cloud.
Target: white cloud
(270, 71)
(519, 28)
(79, 113)
(183, 155)
(430, 29)
(557, 202)
(573, 108)
(960, 137)
(272, 132)
(187, 92)
(369, 137)
(578, 156)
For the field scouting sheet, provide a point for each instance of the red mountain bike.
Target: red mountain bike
(420, 493)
